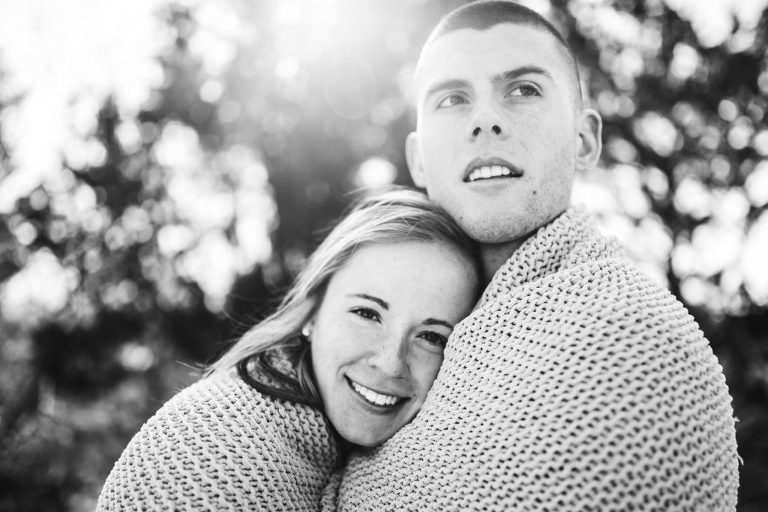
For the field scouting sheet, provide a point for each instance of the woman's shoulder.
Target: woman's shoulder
(221, 391)
(211, 403)
(224, 404)
(222, 441)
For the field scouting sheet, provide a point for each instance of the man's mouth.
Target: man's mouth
(374, 397)
(490, 168)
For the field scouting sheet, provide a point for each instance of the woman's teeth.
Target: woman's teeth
(488, 171)
(374, 397)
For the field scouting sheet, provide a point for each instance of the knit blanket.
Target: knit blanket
(222, 445)
(577, 384)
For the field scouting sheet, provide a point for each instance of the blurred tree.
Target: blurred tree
(684, 122)
(187, 192)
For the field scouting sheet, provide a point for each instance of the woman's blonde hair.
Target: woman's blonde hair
(397, 215)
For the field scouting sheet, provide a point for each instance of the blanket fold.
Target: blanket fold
(576, 384)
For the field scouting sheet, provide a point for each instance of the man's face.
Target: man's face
(499, 134)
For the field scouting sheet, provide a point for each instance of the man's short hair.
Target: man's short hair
(486, 14)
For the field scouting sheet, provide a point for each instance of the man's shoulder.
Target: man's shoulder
(566, 244)
(601, 279)
(607, 298)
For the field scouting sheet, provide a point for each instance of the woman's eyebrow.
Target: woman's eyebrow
(384, 304)
(435, 321)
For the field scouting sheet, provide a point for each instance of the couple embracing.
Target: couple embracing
(482, 348)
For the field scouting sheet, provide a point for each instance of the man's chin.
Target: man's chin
(501, 232)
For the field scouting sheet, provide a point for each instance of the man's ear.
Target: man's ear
(590, 127)
(413, 158)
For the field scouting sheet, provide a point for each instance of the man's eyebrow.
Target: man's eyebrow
(384, 304)
(458, 83)
(435, 321)
(442, 85)
(512, 74)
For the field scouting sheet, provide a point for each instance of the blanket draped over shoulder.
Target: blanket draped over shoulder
(222, 445)
(576, 384)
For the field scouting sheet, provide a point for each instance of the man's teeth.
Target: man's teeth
(374, 397)
(488, 171)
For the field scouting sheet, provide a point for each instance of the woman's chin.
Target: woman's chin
(365, 438)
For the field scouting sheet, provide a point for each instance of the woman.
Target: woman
(345, 361)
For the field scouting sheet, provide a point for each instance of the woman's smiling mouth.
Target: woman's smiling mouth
(373, 397)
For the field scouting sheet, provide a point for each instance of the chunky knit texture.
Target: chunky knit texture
(577, 384)
(222, 445)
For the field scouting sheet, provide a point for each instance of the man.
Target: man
(577, 383)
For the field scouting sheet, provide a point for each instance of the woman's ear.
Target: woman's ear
(590, 132)
(413, 158)
(306, 331)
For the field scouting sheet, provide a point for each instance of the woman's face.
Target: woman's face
(379, 334)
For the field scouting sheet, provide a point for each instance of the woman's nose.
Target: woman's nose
(389, 356)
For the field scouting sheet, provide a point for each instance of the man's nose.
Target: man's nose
(493, 128)
(389, 356)
(488, 122)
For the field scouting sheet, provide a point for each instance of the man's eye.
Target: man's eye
(524, 90)
(452, 101)
(367, 313)
(434, 339)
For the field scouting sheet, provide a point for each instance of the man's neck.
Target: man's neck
(494, 256)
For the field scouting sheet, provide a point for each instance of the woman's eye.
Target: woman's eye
(452, 101)
(367, 313)
(524, 90)
(435, 339)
